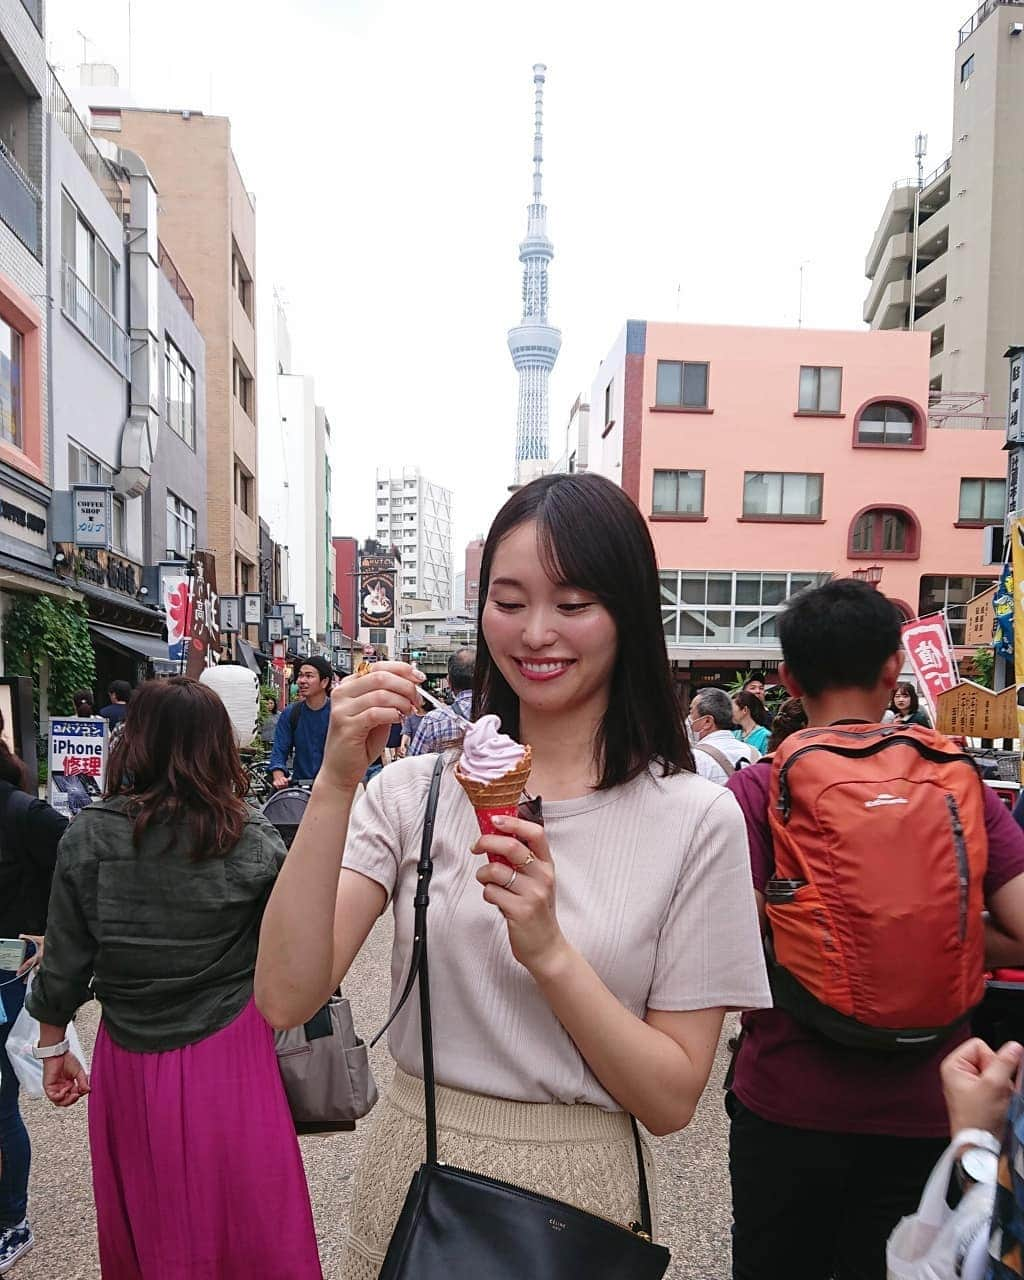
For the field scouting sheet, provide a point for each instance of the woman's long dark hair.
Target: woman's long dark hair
(591, 536)
(12, 767)
(752, 703)
(911, 693)
(177, 762)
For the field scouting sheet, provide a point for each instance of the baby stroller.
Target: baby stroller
(285, 808)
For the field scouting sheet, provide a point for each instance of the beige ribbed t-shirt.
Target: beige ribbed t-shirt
(653, 888)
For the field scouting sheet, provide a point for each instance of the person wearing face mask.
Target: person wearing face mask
(717, 752)
(553, 1018)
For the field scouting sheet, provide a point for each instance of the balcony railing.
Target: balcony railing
(34, 9)
(58, 104)
(20, 201)
(87, 313)
(937, 173)
(980, 14)
(174, 275)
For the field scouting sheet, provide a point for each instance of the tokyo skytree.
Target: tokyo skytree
(534, 343)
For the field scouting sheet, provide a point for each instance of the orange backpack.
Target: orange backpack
(875, 908)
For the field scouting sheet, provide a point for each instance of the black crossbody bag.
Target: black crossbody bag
(458, 1225)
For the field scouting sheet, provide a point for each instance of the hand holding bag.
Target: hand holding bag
(458, 1225)
(931, 1243)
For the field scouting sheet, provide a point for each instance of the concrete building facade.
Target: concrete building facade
(128, 390)
(767, 460)
(415, 516)
(575, 448)
(208, 225)
(947, 256)
(295, 484)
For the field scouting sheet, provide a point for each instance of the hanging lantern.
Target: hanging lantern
(239, 689)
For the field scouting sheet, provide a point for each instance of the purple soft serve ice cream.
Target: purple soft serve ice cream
(487, 753)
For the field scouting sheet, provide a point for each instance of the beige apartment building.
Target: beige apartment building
(965, 284)
(208, 227)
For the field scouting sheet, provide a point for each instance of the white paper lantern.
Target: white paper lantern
(239, 689)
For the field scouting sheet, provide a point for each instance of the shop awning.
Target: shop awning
(247, 653)
(137, 644)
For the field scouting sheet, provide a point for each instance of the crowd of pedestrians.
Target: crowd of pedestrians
(668, 866)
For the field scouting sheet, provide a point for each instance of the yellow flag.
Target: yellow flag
(1017, 542)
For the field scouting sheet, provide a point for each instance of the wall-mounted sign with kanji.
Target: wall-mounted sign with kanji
(971, 711)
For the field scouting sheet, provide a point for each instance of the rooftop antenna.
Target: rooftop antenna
(800, 310)
(920, 151)
(85, 45)
(538, 128)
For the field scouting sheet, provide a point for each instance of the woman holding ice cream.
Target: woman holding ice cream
(583, 977)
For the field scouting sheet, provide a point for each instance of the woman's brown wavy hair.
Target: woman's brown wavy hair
(177, 762)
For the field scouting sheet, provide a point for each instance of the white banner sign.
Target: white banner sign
(78, 762)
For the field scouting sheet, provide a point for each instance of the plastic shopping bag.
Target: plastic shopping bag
(932, 1243)
(22, 1036)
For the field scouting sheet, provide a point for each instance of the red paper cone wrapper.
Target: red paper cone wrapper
(489, 799)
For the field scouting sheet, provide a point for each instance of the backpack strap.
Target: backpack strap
(719, 757)
(294, 711)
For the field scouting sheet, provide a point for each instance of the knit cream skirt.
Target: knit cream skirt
(579, 1154)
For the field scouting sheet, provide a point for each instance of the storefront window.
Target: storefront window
(727, 607)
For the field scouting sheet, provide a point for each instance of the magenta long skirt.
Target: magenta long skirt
(196, 1167)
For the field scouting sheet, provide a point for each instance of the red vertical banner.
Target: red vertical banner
(926, 641)
(204, 641)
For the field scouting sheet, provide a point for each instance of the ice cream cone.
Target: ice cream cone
(500, 796)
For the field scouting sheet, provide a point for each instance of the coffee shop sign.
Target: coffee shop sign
(92, 516)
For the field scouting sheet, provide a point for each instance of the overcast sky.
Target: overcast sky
(696, 154)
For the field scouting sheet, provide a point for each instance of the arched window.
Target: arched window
(890, 424)
(891, 532)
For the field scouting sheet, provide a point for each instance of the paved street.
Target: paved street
(692, 1169)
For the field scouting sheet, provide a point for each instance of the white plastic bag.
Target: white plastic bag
(931, 1244)
(22, 1036)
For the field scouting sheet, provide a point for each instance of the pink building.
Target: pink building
(769, 459)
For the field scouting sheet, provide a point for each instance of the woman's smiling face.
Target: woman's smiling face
(556, 645)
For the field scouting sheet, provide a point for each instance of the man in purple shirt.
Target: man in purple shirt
(830, 1146)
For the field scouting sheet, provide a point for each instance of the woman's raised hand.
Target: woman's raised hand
(363, 710)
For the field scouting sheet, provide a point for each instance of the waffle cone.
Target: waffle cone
(503, 792)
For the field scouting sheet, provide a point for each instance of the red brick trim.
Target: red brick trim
(913, 551)
(675, 408)
(632, 425)
(919, 431)
(779, 520)
(21, 313)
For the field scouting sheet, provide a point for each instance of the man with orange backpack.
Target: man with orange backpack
(874, 850)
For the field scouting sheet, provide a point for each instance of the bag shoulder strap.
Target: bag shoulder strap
(719, 757)
(418, 969)
(293, 716)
